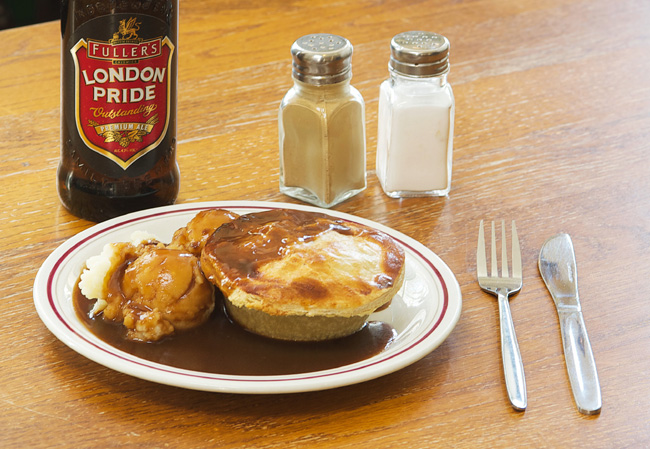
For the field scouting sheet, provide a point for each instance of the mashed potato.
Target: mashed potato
(151, 289)
(194, 236)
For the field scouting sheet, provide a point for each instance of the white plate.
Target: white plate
(423, 313)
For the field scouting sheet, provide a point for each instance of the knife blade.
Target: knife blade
(557, 265)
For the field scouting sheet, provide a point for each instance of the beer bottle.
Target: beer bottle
(118, 106)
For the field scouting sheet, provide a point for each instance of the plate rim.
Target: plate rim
(361, 371)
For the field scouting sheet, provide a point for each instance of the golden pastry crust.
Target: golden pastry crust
(295, 263)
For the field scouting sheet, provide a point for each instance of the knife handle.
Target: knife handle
(580, 362)
(513, 366)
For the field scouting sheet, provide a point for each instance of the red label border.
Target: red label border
(124, 164)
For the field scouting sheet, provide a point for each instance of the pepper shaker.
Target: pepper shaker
(321, 124)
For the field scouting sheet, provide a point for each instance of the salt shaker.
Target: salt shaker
(416, 118)
(322, 124)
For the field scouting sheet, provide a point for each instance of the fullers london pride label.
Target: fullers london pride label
(122, 92)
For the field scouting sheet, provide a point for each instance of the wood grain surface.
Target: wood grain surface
(552, 129)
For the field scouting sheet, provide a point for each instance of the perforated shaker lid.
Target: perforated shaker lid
(321, 59)
(419, 53)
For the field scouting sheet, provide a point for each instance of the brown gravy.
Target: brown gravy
(222, 347)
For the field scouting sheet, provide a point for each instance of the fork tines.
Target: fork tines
(481, 258)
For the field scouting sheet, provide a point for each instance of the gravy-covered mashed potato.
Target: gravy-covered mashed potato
(151, 288)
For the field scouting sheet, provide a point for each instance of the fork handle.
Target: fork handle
(513, 366)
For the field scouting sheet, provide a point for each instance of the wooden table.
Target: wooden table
(552, 129)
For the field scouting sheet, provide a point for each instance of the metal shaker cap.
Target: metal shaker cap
(321, 59)
(419, 54)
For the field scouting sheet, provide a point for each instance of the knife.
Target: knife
(557, 265)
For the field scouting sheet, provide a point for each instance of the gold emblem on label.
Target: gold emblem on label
(128, 30)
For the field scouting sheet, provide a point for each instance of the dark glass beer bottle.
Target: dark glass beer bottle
(118, 106)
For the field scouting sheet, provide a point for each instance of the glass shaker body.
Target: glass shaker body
(415, 136)
(322, 143)
(322, 125)
(415, 132)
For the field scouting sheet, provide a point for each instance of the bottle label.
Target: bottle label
(122, 92)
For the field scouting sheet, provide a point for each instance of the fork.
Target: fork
(502, 287)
